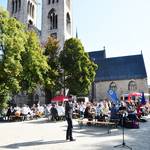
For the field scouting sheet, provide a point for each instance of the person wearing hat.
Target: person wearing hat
(68, 115)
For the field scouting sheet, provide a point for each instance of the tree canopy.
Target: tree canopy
(52, 48)
(12, 41)
(79, 69)
(23, 65)
(34, 63)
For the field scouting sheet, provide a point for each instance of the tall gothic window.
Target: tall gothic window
(132, 86)
(113, 86)
(49, 1)
(19, 5)
(52, 16)
(13, 6)
(28, 8)
(68, 23)
(32, 11)
(16, 6)
(53, 1)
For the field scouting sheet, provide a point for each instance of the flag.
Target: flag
(143, 101)
(113, 96)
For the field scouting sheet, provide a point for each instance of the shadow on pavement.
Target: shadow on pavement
(41, 121)
(32, 143)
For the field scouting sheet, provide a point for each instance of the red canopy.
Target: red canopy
(133, 94)
(59, 98)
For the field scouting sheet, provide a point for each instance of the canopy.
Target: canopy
(59, 98)
(133, 94)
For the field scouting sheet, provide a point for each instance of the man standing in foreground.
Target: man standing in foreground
(68, 115)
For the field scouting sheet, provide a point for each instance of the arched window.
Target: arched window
(16, 6)
(113, 86)
(19, 5)
(49, 1)
(68, 23)
(52, 16)
(13, 6)
(132, 86)
(53, 1)
(33, 11)
(28, 8)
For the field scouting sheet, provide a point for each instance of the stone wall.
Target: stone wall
(61, 9)
(102, 87)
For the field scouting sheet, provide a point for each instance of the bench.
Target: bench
(109, 124)
(16, 118)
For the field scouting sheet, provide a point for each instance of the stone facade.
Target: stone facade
(56, 17)
(23, 10)
(122, 87)
(56, 20)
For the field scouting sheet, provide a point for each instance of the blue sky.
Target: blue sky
(122, 26)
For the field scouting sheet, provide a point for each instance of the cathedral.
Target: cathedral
(124, 74)
(56, 16)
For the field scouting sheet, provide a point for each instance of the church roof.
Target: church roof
(96, 55)
(120, 68)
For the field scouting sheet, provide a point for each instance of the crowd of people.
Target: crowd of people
(105, 110)
(102, 111)
(51, 111)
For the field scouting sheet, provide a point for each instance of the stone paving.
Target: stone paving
(42, 135)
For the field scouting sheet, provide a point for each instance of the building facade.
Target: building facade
(124, 75)
(23, 10)
(56, 20)
(56, 17)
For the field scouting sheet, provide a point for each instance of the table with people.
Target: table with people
(98, 111)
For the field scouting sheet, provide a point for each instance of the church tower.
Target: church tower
(23, 10)
(56, 20)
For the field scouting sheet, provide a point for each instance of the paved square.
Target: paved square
(42, 135)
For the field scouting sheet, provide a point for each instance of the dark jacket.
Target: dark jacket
(68, 110)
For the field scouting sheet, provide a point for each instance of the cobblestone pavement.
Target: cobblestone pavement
(42, 135)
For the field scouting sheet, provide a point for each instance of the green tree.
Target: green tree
(79, 69)
(23, 65)
(34, 64)
(12, 40)
(54, 74)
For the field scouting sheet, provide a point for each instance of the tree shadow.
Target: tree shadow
(32, 143)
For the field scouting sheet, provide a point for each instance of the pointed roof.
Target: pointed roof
(97, 55)
(120, 68)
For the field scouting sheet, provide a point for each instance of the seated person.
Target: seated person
(54, 113)
(98, 112)
(132, 112)
(87, 113)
